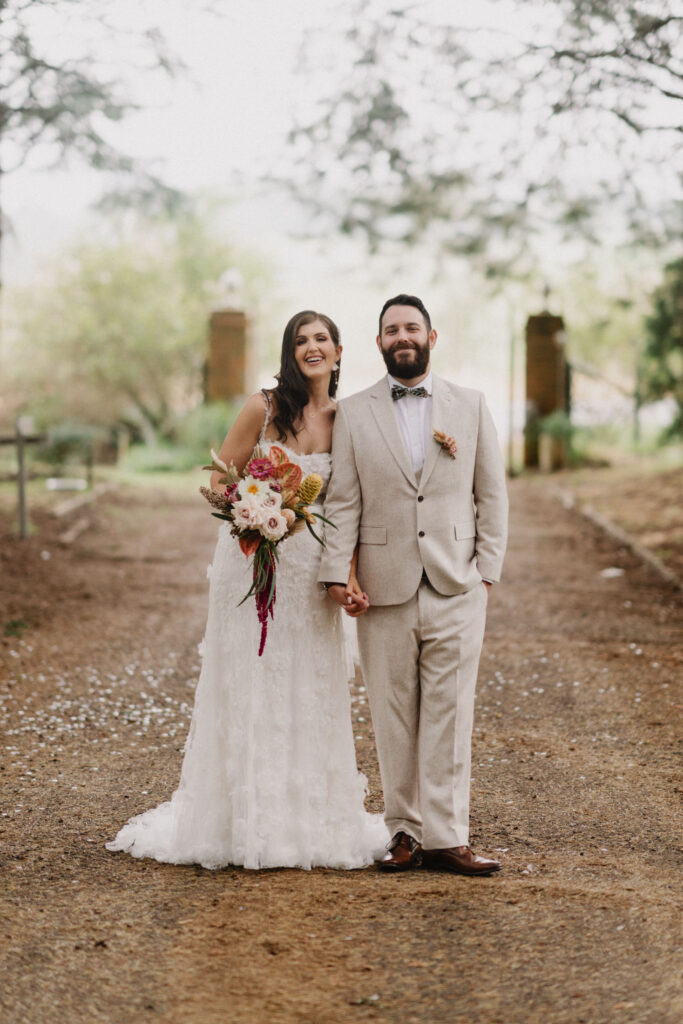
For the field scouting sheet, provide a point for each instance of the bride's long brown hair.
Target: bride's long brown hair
(291, 391)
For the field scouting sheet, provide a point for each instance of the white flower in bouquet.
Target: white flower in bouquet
(272, 501)
(274, 526)
(251, 489)
(247, 515)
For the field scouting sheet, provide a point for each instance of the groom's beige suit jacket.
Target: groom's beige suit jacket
(450, 523)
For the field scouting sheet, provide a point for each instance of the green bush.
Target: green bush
(195, 434)
(205, 427)
(68, 442)
(147, 458)
(557, 425)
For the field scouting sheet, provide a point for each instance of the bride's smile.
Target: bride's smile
(314, 350)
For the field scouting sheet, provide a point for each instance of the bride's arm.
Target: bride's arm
(243, 435)
(353, 571)
(359, 599)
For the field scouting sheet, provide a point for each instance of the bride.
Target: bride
(269, 775)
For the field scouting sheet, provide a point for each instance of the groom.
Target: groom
(429, 517)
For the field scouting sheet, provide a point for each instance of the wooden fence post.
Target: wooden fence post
(21, 480)
(23, 435)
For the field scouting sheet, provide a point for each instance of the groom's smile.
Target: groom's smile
(405, 343)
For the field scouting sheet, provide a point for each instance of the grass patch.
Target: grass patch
(15, 627)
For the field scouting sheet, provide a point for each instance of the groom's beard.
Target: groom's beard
(407, 367)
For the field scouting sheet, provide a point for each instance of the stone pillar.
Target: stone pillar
(546, 382)
(226, 366)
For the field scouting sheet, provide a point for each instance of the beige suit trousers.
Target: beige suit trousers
(420, 662)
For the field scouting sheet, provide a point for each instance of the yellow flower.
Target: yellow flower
(309, 488)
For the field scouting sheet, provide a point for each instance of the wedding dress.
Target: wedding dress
(269, 776)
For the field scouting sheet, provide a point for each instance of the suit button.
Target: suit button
(420, 497)
(421, 533)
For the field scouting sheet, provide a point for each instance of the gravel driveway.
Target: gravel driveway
(574, 789)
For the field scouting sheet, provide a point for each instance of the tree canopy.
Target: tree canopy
(58, 94)
(507, 122)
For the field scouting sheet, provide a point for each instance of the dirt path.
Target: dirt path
(640, 497)
(574, 787)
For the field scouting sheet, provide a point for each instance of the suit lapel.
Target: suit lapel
(442, 408)
(382, 407)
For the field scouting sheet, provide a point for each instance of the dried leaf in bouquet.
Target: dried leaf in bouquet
(215, 498)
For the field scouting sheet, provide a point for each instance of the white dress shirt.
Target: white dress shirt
(414, 418)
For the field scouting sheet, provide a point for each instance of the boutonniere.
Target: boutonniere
(447, 443)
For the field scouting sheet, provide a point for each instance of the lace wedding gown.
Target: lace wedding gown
(269, 776)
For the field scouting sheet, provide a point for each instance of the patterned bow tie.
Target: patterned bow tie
(398, 392)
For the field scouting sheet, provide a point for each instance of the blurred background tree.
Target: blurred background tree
(662, 370)
(115, 334)
(62, 104)
(604, 301)
(57, 104)
(489, 140)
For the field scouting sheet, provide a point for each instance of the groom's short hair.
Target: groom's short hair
(406, 300)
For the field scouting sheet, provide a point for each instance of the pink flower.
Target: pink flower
(272, 500)
(261, 469)
(274, 526)
(231, 493)
(289, 516)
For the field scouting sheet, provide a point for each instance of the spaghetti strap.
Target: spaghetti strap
(269, 406)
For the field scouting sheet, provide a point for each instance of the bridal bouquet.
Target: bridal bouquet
(266, 503)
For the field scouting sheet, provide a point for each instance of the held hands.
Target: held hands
(357, 601)
(351, 597)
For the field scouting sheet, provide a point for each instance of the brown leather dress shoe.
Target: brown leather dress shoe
(460, 860)
(403, 853)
